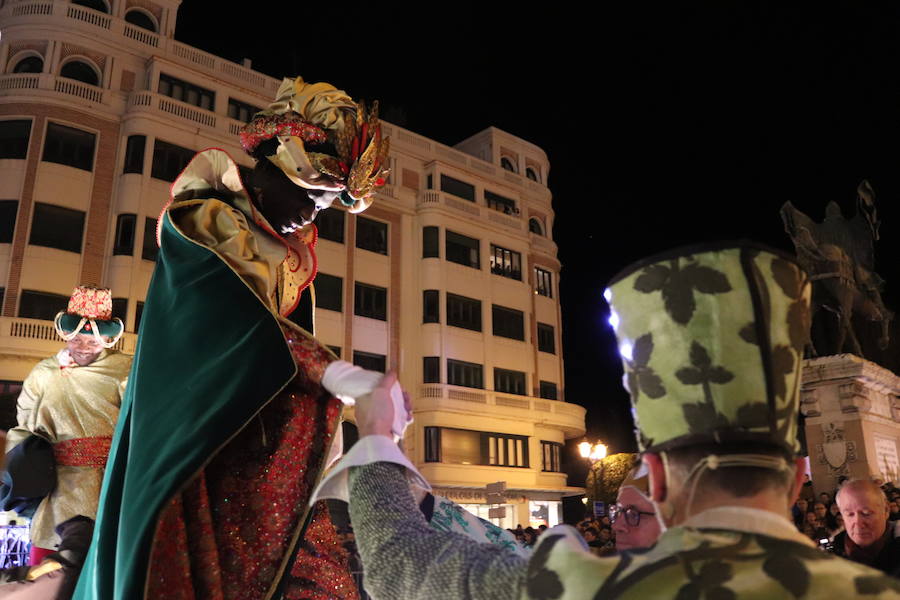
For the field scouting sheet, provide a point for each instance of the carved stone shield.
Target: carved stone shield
(835, 453)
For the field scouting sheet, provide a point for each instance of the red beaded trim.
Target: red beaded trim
(82, 452)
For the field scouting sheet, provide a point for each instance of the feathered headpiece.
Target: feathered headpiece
(325, 141)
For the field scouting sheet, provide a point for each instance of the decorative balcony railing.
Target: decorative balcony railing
(36, 336)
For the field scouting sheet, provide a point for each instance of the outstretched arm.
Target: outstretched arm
(402, 556)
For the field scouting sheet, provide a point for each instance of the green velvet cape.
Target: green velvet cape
(209, 357)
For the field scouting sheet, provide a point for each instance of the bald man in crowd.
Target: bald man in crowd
(867, 539)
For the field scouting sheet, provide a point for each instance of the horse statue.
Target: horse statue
(839, 255)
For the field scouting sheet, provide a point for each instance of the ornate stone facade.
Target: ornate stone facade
(852, 410)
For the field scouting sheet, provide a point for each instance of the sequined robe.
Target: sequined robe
(225, 426)
(61, 404)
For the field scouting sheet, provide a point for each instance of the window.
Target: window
(507, 450)
(508, 322)
(431, 242)
(542, 282)
(432, 444)
(2, 295)
(462, 250)
(57, 227)
(29, 64)
(371, 235)
(120, 309)
(509, 382)
(240, 111)
(498, 202)
(124, 242)
(548, 390)
(506, 263)
(330, 223)
(8, 211)
(134, 154)
(139, 18)
(551, 453)
(466, 447)
(531, 174)
(463, 312)
(546, 338)
(336, 350)
(329, 292)
(534, 226)
(149, 249)
(507, 164)
(465, 374)
(14, 136)
(138, 313)
(169, 160)
(69, 146)
(186, 92)
(458, 188)
(372, 362)
(80, 71)
(370, 301)
(431, 369)
(431, 306)
(41, 305)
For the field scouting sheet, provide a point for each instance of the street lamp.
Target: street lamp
(592, 452)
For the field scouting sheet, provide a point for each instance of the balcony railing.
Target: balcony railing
(39, 338)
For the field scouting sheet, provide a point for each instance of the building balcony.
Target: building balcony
(37, 339)
(434, 198)
(542, 244)
(551, 413)
(80, 19)
(152, 103)
(46, 85)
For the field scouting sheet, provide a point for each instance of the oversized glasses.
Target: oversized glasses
(631, 513)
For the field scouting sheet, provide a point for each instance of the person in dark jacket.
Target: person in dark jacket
(867, 538)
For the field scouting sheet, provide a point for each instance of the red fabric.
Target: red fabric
(227, 535)
(38, 554)
(321, 570)
(82, 452)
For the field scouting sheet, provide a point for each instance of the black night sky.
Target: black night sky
(665, 124)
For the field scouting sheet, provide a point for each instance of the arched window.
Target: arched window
(29, 64)
(98, 5)
(140, 18)
(534, 226)
(80, 71)
(531, 174)
(507, 164)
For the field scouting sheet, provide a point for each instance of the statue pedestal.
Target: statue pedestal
(852, 410)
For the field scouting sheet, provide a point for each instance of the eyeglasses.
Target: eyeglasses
(631, 513)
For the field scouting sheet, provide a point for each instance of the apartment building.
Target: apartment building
(451, 277)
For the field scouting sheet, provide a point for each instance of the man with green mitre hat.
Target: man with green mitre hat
(712, 341)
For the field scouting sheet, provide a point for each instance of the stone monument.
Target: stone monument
(851, 405)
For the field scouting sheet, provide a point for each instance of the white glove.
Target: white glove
(348, 382)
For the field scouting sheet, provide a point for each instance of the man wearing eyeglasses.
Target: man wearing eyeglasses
(633, 517)
(714, 378)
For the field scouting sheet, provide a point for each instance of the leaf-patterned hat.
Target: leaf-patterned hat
(711, 339)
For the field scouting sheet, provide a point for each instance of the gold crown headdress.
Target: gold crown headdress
(325, 141)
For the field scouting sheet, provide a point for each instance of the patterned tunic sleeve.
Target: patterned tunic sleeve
(405, 558)
(29, 397)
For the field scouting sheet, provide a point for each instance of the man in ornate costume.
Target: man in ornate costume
(712, 339)
(226, 424)
(72, 401)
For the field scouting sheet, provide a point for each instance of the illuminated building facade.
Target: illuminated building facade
(451, 277)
